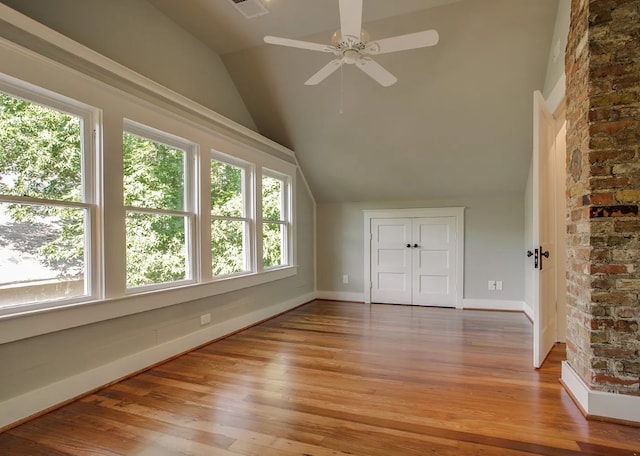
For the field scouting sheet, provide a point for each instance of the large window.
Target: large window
(158, 219)
(46, 199)
(230, 216)
(73, 230)
(275, 219)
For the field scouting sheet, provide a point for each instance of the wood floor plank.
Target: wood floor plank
(336, 379)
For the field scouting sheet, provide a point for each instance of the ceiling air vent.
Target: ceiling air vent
(250, 8)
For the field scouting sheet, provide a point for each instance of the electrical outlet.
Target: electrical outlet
(345, 278)
(498, 285)
(205, 319)
(491, 285)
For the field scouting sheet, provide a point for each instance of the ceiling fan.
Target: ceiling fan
(351, 45)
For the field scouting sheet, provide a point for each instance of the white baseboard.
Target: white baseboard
(34, 402)
(492, 304)
(340, 296)
(599, 404)
(527, 310)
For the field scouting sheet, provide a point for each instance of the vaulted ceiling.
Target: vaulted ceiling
(457, 123)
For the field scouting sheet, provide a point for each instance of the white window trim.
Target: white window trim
(286, 216)
(248, 209)
(90, 117)
(189, 203)
(169, 112)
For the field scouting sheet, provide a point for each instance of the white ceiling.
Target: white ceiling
(219, 25)
(457, 123)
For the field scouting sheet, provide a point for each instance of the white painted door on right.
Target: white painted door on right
(434, 257)
(544, 212)
(413, 261)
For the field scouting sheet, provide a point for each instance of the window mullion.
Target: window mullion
(259, 253)
(149, 210)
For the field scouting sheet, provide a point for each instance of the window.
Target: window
(275, 219)
(230, 217)
(158, 216)
(46, 199)
(71, 234)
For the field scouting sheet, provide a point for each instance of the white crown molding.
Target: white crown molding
(599, 404)
(32, 403)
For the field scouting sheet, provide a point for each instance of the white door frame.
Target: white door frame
(457, 212)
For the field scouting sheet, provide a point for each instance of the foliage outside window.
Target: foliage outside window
(157, 224)
(50, 208)
(274, 220)
(44, 209)
(230, 224)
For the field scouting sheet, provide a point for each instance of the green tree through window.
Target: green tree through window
(156, 225)
(274, 224)
(41, 184)
(229, 221)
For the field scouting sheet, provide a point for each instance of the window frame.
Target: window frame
(286, 214)
(158, 108)
(90, 156)
(188, 212)
(248, 209)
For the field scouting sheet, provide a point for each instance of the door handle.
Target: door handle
(543, 254)
(408, 246)
(415, 246)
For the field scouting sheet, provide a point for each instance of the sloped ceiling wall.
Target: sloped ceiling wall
(137, 35)
(458, 122)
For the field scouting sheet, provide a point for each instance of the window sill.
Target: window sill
(29, 322)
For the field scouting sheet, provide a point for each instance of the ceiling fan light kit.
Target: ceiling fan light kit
(351, 46)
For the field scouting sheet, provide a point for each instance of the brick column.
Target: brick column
(603, 194)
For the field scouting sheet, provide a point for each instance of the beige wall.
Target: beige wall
(138, 36)
(494, 232)
(555, 65)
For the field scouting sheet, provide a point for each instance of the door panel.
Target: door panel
(434, 261)
(413, 261)
(391, 261)
(544, 305)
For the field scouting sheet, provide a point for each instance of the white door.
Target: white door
(434, 261)
(391, 254)
(544, 211)
(413, 261)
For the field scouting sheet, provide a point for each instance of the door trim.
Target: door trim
(457, 212)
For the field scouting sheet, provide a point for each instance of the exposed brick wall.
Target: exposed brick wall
(603, 191)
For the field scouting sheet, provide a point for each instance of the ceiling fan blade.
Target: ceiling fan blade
(403, 42)
(351, 18)
(298, 44)
(324, 72)
(376, 71)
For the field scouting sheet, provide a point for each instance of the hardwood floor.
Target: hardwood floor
(334, 378)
